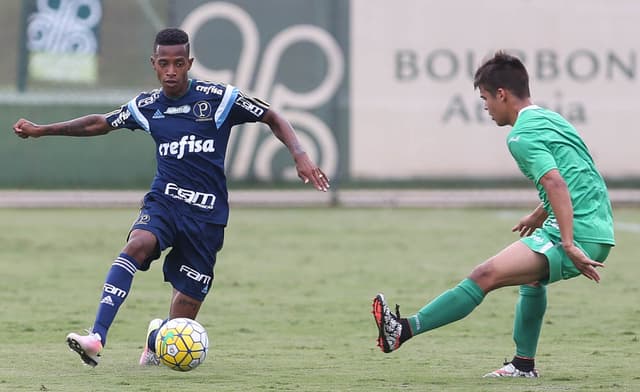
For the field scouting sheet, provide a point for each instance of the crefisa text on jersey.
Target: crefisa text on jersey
(210, 89)
(188, 143)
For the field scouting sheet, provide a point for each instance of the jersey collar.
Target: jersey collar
(180, 97)
(530, 107)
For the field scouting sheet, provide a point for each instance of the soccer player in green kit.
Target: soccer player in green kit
(568, 234)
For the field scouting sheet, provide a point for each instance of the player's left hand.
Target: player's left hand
(308, 171)
(527, 225)
(530, 222)
(583, 263)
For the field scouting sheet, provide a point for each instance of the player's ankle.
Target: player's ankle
(523, 363)
(405, 334)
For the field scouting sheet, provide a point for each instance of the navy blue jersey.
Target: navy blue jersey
(191, 135)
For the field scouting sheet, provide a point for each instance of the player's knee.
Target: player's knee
(141, 246)
(484, 275)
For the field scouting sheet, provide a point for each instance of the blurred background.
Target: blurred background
(380, 93)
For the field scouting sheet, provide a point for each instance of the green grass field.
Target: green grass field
(290, 310)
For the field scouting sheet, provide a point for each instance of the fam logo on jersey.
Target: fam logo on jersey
(202, 111)
(249, 106)
(189, 196)
(195, 275)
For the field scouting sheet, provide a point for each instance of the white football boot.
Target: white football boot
(87, 346)
(508, 370)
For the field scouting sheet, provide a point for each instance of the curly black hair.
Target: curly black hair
(171, 36)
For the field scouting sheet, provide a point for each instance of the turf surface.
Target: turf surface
(290, 308)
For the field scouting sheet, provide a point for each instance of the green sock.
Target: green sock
(450, 306)
(528, 321)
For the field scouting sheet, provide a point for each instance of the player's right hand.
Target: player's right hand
(25, 128)
(582, 262)
(308, 171)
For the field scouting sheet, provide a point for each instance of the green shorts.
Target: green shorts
(560, 265)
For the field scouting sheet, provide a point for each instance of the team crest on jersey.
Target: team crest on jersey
(143, 219)
(202, 111)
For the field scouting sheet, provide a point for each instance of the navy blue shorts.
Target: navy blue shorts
(194, 245)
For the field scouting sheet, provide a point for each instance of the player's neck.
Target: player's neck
(517, 107)
(177, 95)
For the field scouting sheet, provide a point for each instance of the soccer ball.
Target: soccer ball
(182, 344)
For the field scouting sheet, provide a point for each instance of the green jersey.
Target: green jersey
(542, 140)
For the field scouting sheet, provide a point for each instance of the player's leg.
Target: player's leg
(532, 302)
(189, 268)
(515, 265)
(141, 246)
(529, 313)
(115, 290)
(183, 305)
(150, 233)
(527, 324)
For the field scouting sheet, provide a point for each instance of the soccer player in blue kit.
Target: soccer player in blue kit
(187, 208)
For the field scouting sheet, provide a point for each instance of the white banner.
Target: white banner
(415, 114)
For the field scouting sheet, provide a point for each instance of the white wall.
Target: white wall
(414, 112)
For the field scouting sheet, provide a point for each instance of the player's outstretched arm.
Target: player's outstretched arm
(91, 125)
(307, 170)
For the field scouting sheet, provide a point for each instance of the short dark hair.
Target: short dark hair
(503, 71)
(171, 36)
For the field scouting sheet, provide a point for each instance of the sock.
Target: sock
(523, 364)
(151, 339)
(528, 321)
(450, 306)
(114, 292)
(405, 333)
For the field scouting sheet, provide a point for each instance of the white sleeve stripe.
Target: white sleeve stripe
(228, 99)
(137, 115)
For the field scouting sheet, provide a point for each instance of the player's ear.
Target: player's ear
(190, 63)
(501, 94)
(153, 61)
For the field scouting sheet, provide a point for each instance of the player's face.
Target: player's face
(495, 105)
(172, 65)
